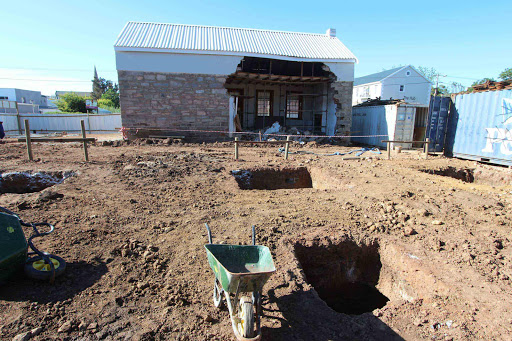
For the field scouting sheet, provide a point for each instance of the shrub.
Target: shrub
(71, 103)
(105, 103)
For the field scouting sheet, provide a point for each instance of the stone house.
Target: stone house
(184, 79)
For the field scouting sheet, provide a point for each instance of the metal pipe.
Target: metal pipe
(209, 233)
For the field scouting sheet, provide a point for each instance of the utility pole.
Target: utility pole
(437, 83)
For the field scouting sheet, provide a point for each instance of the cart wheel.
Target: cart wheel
(36, 268)
(246, 315)
(217, 295)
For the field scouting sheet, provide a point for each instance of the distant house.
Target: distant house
(400, 83)
(58, 94)
(189, 78)
(22, 96)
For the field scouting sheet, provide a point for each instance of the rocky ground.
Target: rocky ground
(433, 236)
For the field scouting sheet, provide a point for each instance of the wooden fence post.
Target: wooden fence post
(29, 141)
(389, 150)
(86, 154)
(236, 148)
(427, 145)
(286, 147)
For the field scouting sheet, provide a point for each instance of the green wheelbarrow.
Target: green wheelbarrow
(240, 271)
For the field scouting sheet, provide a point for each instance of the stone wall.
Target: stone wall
(161, 103)
(343, 100)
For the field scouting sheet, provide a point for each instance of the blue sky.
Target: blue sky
(54, 45)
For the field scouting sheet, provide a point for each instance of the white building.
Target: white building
(176, 78)
(400, 83)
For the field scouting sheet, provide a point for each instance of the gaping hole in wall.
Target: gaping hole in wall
(273, 178)
(28, 182)
(293, 94)
(464, 174)
(344, 275)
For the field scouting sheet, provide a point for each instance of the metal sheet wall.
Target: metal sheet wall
(480, 127)
(56, 123)
(374, 120)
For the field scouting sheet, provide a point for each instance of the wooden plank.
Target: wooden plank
(403, 141)
(166, 137)
(260, 142)
(57, 139)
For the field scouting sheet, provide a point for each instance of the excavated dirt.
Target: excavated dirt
(370, 250)
(29, 182)
(273, 178)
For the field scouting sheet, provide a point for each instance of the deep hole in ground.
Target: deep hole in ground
(30, 182)
(344, 275)
(464, 174)
(273, 178)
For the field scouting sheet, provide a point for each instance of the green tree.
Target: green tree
(113, 96)
(506, 74)
(97, 91)
(429, 72)
(71, 102)
(455, 87)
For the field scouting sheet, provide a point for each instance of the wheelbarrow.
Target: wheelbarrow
(240, 271)
(14, 248)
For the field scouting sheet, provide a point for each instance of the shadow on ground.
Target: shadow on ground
(77, 277)
(306, 317)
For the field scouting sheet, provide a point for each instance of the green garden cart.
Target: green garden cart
(14, 250)
(240, 271)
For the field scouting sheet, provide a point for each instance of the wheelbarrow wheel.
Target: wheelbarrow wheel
(36, 268)
(217, 295)
(246, 316)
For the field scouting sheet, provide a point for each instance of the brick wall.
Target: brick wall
(173, 101)
(343, 100)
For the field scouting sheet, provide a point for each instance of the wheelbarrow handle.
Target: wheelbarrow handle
(253, 235)
(209, 233)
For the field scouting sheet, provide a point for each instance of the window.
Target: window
(366, 91)
(23, 100)
(408, 73)
(264, 103)
(294, 106)
(4, 97)
(401, 88)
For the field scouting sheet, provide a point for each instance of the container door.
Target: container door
(437, 121)
(404, 128)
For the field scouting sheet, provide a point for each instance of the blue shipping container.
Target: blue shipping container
(480, 127)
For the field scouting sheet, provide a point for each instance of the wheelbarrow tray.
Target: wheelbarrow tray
(13, 246)
(241, 268)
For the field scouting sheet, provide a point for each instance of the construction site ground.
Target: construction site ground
(432, 235)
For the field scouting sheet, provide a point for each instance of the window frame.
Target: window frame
(402, 88)
(271, 104)
(300, 106)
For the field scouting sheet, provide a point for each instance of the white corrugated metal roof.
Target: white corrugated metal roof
(231, 41)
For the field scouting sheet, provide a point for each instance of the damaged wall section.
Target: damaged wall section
(342, 99)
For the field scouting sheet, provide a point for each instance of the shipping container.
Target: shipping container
(383, 122)
(479, 127)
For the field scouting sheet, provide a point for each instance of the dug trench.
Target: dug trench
(268, 178)
(358, 276)
(480, 174)
(30, 182)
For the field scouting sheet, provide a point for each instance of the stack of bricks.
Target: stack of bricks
(343, 100)
(163, 103)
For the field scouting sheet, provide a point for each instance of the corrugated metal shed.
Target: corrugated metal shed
(480, 127)
(234, 41)
(383, 122)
